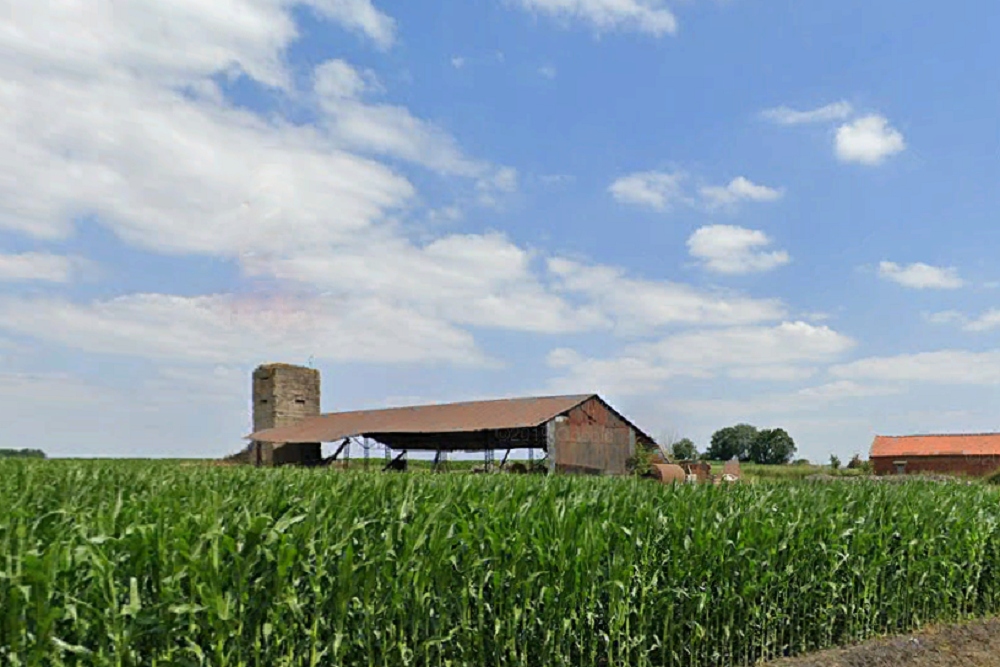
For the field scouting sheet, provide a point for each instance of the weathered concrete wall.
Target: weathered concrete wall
(977, 466)
(284, 395)
(592, 439)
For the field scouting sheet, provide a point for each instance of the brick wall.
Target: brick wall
(964, 465)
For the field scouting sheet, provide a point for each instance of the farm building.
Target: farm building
(973, 454)
(581, 434)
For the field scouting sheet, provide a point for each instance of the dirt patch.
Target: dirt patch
(975, 644)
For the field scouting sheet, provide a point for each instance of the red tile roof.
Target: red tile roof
(973, 444)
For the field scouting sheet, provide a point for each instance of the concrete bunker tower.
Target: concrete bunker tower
(283, 395)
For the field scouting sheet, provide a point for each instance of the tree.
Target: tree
(22, 453)
(684, 450)
(834, 461)
(771, 447)
(732, 441)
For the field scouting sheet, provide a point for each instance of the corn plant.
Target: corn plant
(141, 563)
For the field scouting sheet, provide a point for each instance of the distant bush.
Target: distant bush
(21, 454)
(834, 461)
(994, 478)
(801, 462)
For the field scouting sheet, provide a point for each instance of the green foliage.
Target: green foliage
(994, 478)
(772, 447)
(21, 454)
(732, 441)
(745, 442)
(124, 564)
(684, 450)
(855, 462)
(834, 461)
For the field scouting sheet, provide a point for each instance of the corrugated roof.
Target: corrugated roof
(973, 444)
(444, 418)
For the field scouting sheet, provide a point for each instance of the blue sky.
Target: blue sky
(707, 211)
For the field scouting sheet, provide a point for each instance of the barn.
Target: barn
(965, 454)
(574, 434)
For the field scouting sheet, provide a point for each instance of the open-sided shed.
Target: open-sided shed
(580, 433)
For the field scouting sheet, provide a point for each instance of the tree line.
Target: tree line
(21, 454)
(747, 443)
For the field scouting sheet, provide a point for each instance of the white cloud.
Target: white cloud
(662, 190)
(621, 376)
(868, 140)
(226, 329)
(656, 189)
(781, 373)
(38, 266)
(547, 71)
(820, 397)
(388, 130)
(640, 306)
(956, 367)
(478, 280)
(920, 276)
(648, 16)
(739, 189)
(786, 343)
(946, 317)
(734, 250)
(173, 41)
(121, 149)
(831, 112)
(458, 62)
(988, 321)
(774, 353)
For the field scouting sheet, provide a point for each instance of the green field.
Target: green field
(138, 563)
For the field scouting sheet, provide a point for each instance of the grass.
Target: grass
(127, 564)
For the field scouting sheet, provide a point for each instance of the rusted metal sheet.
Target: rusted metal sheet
(980, 444)
(471, 416)
(592, 436)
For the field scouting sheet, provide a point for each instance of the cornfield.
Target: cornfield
(130, 564)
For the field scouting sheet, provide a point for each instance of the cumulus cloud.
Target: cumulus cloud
(734, 250)
(640, 306)
(868, 140)
(783, 352)
(226, 329)
(987, 321)
(819, 397)
(648, 16)
(358, 124)
(38, 266)
(655, 189)
(662, 190)
(739, 189)
(949, 367)
(920, 276)
(479, 280)
(784, 115)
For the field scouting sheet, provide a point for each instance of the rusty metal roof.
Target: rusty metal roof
(973, 444)
(443, 418)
